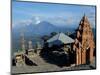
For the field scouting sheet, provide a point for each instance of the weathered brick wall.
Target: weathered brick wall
(83, 41)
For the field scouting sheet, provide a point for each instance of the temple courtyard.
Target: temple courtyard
(43, 66)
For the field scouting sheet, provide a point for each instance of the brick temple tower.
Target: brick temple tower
(22, 42)
(30, 49)
(84, 42)
(30, 45)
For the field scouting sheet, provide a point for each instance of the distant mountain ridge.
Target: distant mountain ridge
(35, 32)
(42, 28)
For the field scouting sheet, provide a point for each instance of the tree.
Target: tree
(53, 33)
(45, 38)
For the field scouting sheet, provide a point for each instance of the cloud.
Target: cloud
(37, 20)
(58, 21)
(70, 21)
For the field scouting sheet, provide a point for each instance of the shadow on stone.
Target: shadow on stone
(13, 62)
(56, 56)
(29, 62)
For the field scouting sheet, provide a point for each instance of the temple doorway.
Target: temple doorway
(88, 56)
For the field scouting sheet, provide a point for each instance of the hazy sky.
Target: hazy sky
(57, 14)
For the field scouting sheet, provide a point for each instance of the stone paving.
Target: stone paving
(47, 67)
